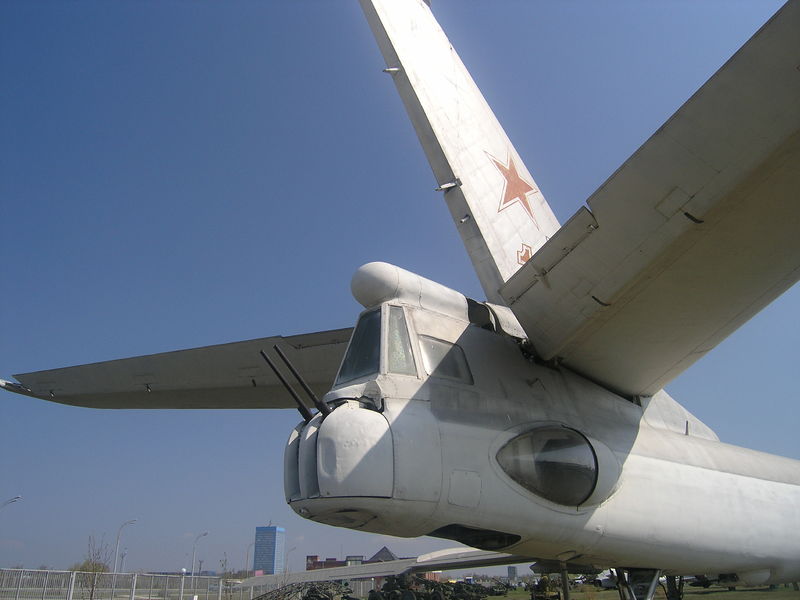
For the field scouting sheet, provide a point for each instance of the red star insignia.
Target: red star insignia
(516, 188)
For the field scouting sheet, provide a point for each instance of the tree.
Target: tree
(97, 561)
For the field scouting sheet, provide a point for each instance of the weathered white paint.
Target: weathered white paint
(409, 454)
(668, 495)
(463, 141)
(354, 453)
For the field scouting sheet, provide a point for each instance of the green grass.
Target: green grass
(690, 593)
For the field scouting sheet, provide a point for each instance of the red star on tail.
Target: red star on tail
(516, 188)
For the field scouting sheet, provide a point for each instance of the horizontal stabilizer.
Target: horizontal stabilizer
(456, 558)
(222, 376)
(693, 234)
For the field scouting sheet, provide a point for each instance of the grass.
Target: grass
(586, 592)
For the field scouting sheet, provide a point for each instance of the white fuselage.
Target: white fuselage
(417, 454)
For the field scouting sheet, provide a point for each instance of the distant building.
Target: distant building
(202, 573)
(268, 554)
(512, 575)
(313, 560)
(383, 555)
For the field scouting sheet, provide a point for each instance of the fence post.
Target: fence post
(133, 586)
(19, 583)
(219, 589)
(44, 587)
(71, 589)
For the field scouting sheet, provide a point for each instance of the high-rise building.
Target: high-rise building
(268, 554)
(512, 575)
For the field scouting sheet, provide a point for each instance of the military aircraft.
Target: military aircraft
(535, 422)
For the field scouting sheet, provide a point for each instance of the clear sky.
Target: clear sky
(176, 174)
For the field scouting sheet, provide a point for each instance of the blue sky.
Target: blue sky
(176, 174)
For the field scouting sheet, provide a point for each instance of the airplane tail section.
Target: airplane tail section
(499, 211)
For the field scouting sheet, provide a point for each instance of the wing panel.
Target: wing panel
(455, 558)
(223, 376)
(693, 234)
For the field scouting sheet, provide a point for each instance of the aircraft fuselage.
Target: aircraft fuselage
(512, 455)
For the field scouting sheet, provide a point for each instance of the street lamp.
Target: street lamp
(247, 560)
(286, 560)
(11, 501)
(183, 580)
(194, 552)
(119, 533)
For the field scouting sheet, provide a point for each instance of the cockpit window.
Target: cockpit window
(401, 360)
(443, 359)
(364, 352)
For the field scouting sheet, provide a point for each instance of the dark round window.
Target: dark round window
(555, 463)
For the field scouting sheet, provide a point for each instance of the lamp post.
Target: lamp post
(194, 553)
(183, 580)
(11, 501)
(247, 559)
(119, 533)
(286, 560)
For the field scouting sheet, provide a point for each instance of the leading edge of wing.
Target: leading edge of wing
(229, 375)
(453, 558)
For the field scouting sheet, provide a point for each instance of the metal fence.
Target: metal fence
(25, 584)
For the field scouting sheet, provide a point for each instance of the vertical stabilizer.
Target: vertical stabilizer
(499, 211)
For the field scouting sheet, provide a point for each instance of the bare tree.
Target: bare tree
(97, 561)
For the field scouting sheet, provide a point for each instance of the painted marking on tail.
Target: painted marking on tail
(524, 254)
(515, 188)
